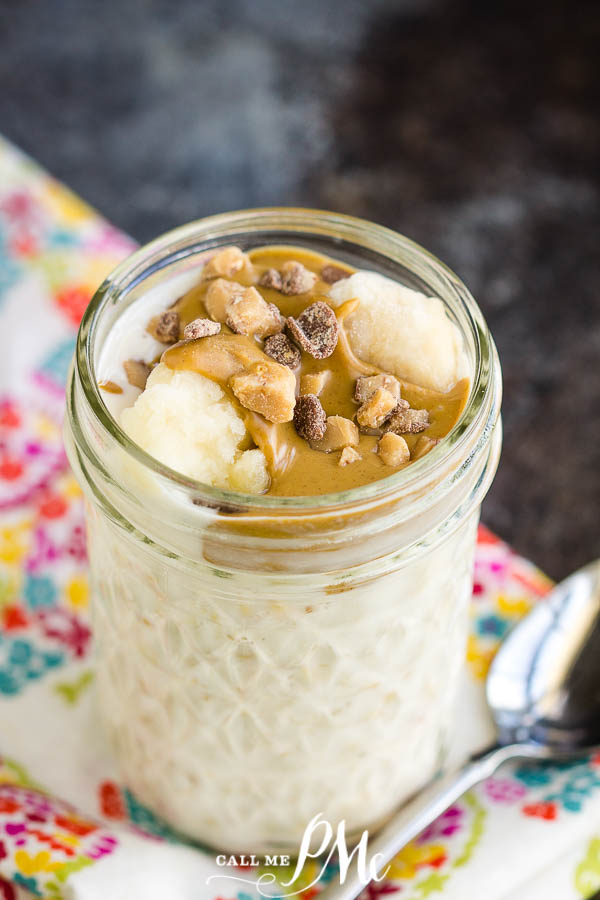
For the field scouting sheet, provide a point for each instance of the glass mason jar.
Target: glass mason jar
(263, 659)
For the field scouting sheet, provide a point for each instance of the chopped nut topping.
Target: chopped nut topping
(280, 348)
(313, 382)
(277, 316)
(165, 327)
(366, 385)
(339, 433)
(393, 450)
(309, 418)
(200, 328)
(248, 313)
(422, 446)
(268, 389)
(349, 455)
(225, 263)
(405, 420)
(137, 372)
(219, 293)
(331, 274)
(271, 278)
(375, 410)
(315, 330)
(110, 387)
(296, 278)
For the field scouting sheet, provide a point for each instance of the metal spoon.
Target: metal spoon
(543, 690)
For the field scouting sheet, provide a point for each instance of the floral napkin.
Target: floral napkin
(68, 828)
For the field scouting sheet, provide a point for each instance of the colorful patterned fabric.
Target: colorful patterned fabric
(530, 825)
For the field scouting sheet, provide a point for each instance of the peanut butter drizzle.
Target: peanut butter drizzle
(296, 469)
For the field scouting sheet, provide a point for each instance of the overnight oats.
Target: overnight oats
(284, 423)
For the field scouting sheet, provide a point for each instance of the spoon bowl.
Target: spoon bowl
(544, 683)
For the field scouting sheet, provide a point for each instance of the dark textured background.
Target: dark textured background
(471, 126)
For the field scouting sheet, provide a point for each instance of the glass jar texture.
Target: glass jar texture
(259, 659)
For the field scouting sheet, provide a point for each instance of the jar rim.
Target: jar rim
(198, 236)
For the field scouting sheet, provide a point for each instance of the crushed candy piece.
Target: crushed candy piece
(219, 293)
(366, 385)
(423, 445)
(331, 274)
(110, 387)
(339, 433)
(375, 410)
(270, 278)
(137, 372)
(314, 382)
(225, 263)
(348, 456)
(296, 278)
(248, 313)
(309, 418)
(280, 348)
(315, 330)
(405, 420)
(200, 328)
(165, 327)
(393, 450)
(267, 389)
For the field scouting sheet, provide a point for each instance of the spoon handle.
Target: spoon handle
(420, 812)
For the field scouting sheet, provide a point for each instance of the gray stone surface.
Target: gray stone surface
(470, 126)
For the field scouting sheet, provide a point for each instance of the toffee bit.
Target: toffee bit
(313, 382)
(200, 328)
(280, 348)
(296, 278)
(331, 274)
(375, 410)
(315, 330)
(220, 292)
(166, 327)
(248, 313)
(277, 316)
(348, 456)
(393, 450)
(270, 278)
(366, 385)
(423, 445)
(268, 389)
(378, 431)
(339, 433)
(405, 420)
(137, 372)
(110, 387)
(310, 420)
(225, 263)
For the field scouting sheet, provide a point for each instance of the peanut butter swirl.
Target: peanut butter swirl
(263, 390)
